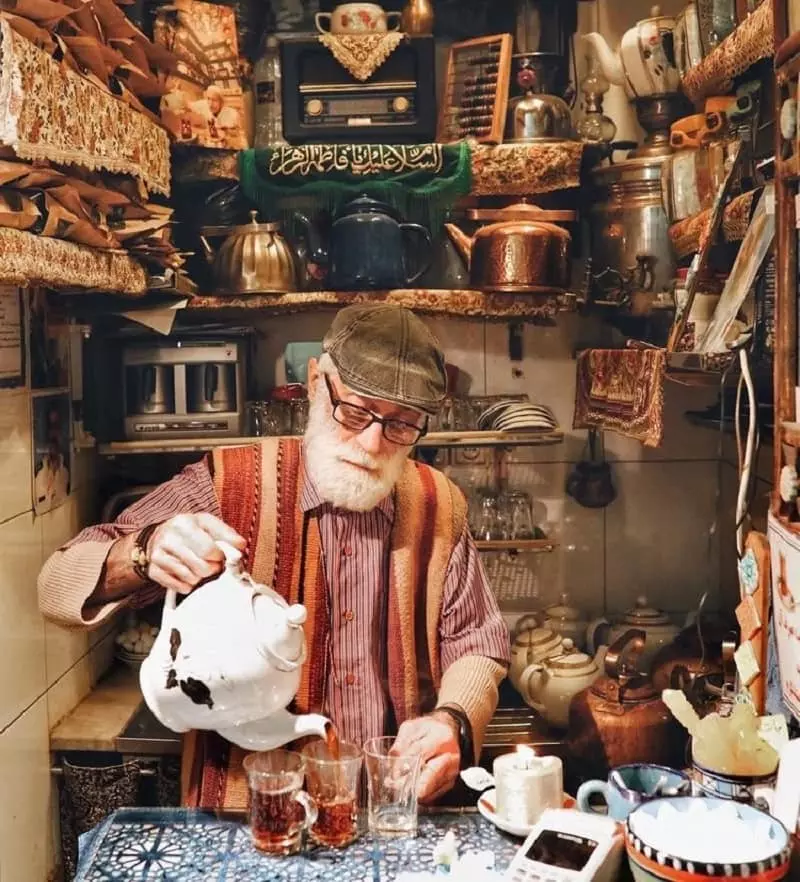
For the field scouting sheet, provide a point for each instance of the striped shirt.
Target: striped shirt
(355, 547)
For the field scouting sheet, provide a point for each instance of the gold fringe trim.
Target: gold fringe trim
(515, 169)
(26, 259)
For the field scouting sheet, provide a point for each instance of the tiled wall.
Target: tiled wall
(45, 670)
(655, 539)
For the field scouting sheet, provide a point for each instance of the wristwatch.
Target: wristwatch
(139, 555)
(465, 745)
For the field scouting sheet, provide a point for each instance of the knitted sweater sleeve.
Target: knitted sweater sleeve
(474, 641)
(71, 573)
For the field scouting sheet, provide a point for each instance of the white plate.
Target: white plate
(486, 806)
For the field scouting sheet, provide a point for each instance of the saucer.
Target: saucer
(486, 806)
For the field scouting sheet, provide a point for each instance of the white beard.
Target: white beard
(333, 465)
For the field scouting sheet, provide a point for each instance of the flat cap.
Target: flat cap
(383, 351)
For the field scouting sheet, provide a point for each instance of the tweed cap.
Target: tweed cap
(383, 351)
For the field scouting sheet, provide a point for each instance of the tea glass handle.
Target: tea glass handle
(319, 18)
(409, 231)
(393, 15)
(309, 806)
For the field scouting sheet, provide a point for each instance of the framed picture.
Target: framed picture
(476, 90)
(52, 450)
(48, 345)
(12, 338)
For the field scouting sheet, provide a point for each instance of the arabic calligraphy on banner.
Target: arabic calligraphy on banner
(359, 160)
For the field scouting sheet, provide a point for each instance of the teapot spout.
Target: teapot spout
(610, 62)
(275, 730)
(461, 240)
(317, 250)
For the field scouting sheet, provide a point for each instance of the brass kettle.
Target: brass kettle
(520, 250)
(253, 259)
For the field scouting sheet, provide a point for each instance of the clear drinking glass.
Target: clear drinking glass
(333, 785)
(299, 415)
(520, 514)
(279, 809)
(391, 789)
(489, 525)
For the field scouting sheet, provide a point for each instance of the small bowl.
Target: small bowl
(650, 861)
(131, 659)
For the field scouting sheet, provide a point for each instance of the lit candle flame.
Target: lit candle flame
(526, 756)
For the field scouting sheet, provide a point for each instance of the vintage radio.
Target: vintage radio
(322, 102)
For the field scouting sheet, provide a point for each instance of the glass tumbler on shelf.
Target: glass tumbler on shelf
(520, 515)
(299, 415)
(279, 808)
(489, 527)
(333, 784)
(391, 789)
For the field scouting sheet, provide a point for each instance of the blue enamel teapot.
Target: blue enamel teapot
(368, 247)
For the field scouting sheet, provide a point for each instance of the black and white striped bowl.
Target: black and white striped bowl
(651, 862)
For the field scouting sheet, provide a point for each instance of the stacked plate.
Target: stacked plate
(517, 416)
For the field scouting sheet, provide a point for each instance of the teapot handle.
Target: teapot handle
(591, 633)
(525, 684)
(409, 231)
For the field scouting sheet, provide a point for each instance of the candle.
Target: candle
(526, 785)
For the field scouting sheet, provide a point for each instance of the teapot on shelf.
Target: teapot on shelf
(644, 63)
(550, 685)
(368, 247)
(531, 646)
(228, 658)
(656, 626)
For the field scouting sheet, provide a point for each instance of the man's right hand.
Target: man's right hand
(183, 551)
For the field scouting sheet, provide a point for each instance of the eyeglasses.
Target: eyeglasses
(356, 419)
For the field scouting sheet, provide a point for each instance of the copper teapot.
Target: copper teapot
(621, 718)
(520, 249)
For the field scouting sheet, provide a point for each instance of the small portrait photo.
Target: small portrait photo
(51, 451)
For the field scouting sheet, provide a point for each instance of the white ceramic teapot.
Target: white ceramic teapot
(228, 658)
(658, 628)
(549, 687)
(645, 61)
(530, 647)
(567, 621)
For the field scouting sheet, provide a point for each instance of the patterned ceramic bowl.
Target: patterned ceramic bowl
(653, 860)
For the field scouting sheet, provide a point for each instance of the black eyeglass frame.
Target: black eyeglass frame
(386, 422)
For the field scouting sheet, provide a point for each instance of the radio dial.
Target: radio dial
(401, 104)
(314, 107)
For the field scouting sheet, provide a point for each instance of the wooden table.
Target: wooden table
(184, 845)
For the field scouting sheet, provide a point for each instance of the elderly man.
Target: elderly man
(404, 633)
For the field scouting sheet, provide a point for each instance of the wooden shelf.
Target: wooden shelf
(461, 303)
(752, 40)
(434, 439)
(522, 546)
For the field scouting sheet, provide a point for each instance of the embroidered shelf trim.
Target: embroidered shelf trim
(27, 259)
(49, 112)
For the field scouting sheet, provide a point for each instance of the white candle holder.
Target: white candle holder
(526, 785)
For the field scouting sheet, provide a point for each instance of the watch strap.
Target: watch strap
(465, 743)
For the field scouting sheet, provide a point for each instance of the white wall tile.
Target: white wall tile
(15, 452)
(26, 851)
(657, 535)
(71, 687)
(22, 644)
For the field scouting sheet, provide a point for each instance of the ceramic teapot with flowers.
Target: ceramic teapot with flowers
(228, 658)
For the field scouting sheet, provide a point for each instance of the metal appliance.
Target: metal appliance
(183, 388)
(323, 102)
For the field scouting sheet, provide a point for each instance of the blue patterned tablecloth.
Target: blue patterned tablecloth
(181, 845)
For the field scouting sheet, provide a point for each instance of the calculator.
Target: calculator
(569, 846)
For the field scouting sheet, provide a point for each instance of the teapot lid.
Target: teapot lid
(563, 610)
(573, 663)
(520, 211)
(536, 637)
(364, 204)
(252, 227)
(655, 15)
(643, 615)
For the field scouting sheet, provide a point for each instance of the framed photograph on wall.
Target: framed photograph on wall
(12, 338)
(52, 450)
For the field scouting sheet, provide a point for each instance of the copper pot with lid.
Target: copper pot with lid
(521, 249)
(621, 718)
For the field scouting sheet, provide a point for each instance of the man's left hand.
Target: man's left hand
(435, 736)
